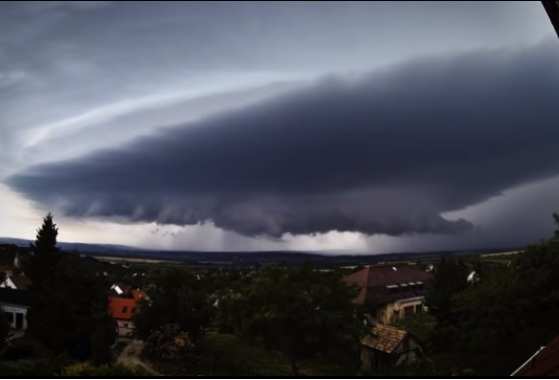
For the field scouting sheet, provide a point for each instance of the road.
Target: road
(130, 357)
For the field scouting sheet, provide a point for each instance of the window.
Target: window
(132, 310)
(125, 309)
(408, 310)
(418, 308)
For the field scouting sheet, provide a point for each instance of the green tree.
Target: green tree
(40, 265)
(450, 278)
(495, 325)
(68, 300)
(301, 312)
(175, 297)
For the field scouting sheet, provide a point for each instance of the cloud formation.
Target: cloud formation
(385, 153)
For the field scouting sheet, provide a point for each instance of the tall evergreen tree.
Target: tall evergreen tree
(45, 256)
(45, 242)
(69, 301)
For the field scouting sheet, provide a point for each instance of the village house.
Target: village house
(15, 303)
(390, 293)
(386, 346)
(11, 275)
(13, 279)
(123, 302)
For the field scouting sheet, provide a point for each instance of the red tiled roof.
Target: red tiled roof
(544, 364)
(382, 276)
(123, 307)
(384, 338)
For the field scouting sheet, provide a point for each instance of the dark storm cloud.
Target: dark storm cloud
(385, 153)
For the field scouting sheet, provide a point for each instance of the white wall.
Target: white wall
(15, 309)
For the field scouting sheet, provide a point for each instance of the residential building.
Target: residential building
(390, 293)
(13, 280)
(123, 302)
(15, 303)
(386, 346)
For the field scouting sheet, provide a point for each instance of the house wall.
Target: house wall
(122, 309)
(17, 312)
(399, 309)
(125, 327)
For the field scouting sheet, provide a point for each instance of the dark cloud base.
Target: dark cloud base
(386, 153)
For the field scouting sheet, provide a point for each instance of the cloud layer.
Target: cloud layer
(385, 153)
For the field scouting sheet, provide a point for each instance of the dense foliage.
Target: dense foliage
(448, 280)
(69, 301)
(489, 328)
(176, 297)
(299, 311)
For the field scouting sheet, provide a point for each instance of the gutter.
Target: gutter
(528, 361)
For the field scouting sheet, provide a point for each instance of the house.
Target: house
(386, 346)
(543, 363)
(13, 280)
(15, 303)
(390, 292)
(473, 277)
(123, 302)
(11, 274)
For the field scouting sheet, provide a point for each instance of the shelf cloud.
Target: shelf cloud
(383, 153)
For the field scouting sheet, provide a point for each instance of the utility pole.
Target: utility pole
(552, 9)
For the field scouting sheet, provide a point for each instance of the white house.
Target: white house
(15, 303)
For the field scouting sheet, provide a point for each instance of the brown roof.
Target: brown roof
(544, 364)
(384, 338)
(382, 276)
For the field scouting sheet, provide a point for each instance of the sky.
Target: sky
(348, 127)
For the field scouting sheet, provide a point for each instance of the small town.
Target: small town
(168, 319)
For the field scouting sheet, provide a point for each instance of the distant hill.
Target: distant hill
(243, 258)
(82, 247)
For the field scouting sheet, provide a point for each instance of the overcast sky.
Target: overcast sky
(369, 127)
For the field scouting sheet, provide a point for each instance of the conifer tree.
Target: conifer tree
(45, 253)
(68, 300)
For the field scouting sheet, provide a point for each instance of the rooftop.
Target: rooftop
(392, 282)
(384, 338)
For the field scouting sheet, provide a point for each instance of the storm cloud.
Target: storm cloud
(382, 153)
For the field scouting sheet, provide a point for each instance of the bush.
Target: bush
(168, 343)
(86, 369)
(24, 348)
